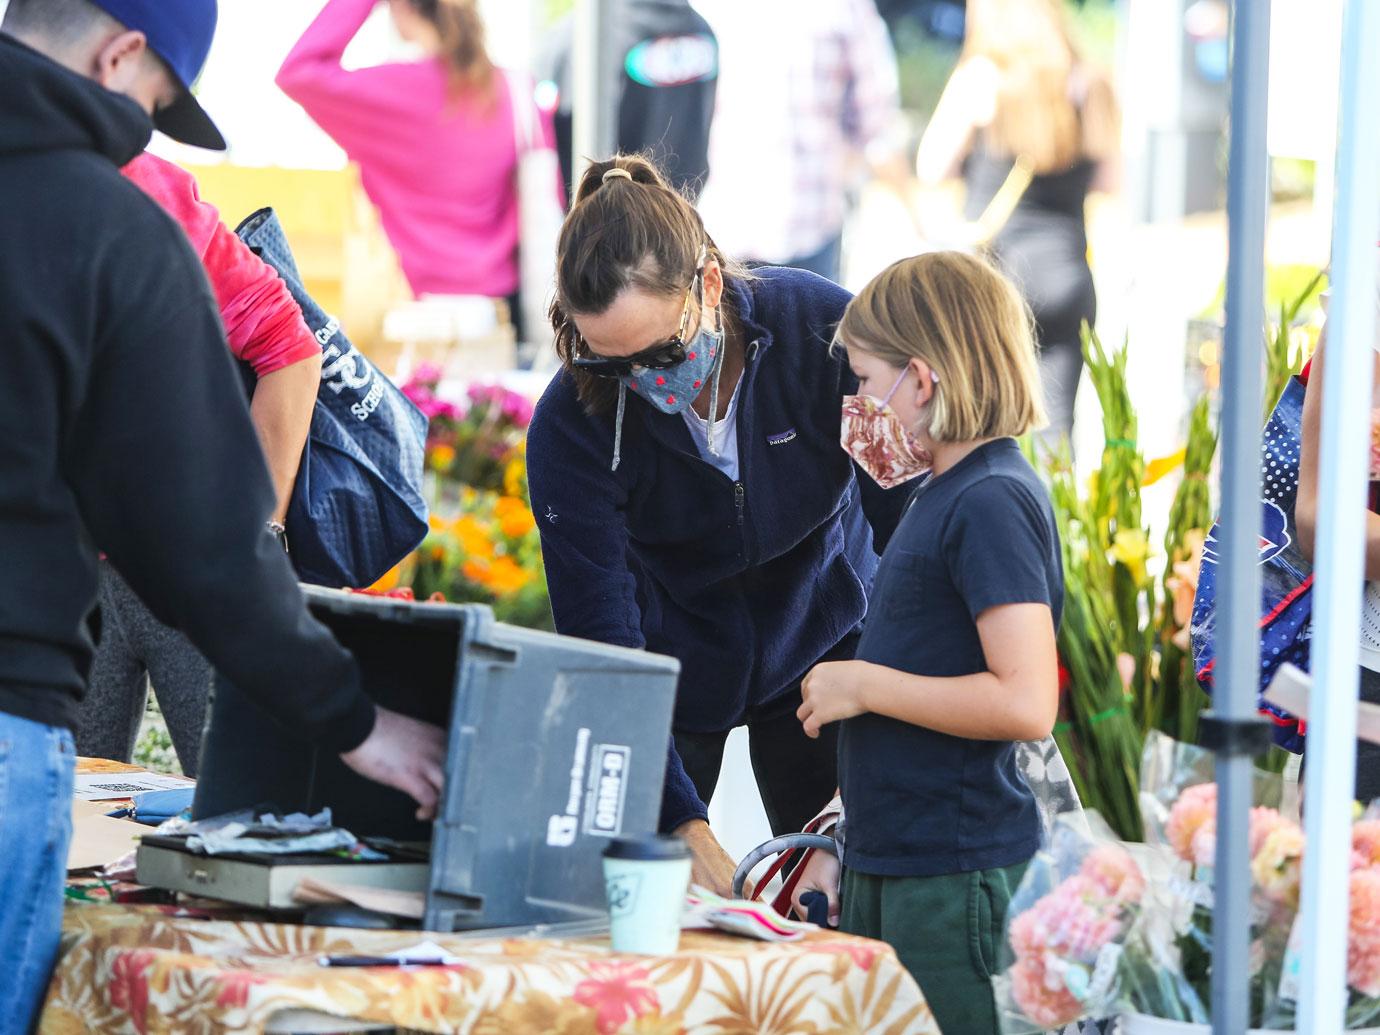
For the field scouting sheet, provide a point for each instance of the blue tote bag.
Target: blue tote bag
(357, 507)
(1286, 576)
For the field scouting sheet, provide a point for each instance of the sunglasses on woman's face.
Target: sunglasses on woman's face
(661, 356)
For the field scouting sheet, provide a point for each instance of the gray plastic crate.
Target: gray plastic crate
(556, 744)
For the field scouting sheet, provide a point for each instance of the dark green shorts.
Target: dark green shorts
(947, 931)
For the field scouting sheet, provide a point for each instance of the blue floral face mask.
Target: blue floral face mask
(672, 389)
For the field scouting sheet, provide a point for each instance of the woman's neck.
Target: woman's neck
(733, 365)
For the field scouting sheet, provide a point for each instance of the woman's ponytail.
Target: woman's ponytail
(462, 35)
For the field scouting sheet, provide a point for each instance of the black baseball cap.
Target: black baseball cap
(180, 33)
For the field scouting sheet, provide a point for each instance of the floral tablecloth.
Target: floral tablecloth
(139, 969)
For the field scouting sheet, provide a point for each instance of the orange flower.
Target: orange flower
(476, 571)
(507, 576)
(474, 537)
(515, 475)
(514, 519)
(1183, 584)
(440, 458)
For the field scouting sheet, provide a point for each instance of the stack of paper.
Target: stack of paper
(114, 786)
(736, 916)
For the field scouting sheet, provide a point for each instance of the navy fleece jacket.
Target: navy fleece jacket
(749, 582)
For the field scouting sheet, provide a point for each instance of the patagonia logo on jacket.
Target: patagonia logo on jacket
(781, 437)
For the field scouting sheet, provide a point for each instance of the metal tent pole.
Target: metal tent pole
(1233, 727)
(594, 82)
(1340, 549)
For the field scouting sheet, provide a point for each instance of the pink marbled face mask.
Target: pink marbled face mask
(874, 436)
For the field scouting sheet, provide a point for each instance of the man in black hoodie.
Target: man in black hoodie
(668, 71)
(123, 429)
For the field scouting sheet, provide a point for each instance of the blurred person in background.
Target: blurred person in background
(1021, 93)
(264, 328)
(1306, 513)
(808, 103)
(434, 139)
(668, 75)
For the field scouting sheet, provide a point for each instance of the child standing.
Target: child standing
(957, 661)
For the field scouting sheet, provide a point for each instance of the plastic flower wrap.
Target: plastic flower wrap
(1066, 930)
(1179, 801)
(1363, 933)
(1179, 808)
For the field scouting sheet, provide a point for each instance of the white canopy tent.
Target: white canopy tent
(1233, 728)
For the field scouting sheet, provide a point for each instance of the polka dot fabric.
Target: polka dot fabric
(1286, 576)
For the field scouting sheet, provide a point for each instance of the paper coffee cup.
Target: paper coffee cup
(646, 879)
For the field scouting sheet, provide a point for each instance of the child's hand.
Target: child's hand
(821, 873)
(831, 691)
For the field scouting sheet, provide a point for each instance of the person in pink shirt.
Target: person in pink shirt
(263, 324)
(433, 139)
(264, 328)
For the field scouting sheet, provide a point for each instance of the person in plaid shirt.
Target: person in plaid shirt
(808, 98)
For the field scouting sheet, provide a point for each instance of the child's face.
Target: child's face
(876, 377)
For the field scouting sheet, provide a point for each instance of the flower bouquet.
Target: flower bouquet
(1068, 928)
(487, 553)
(476, 442)
(1095, 931)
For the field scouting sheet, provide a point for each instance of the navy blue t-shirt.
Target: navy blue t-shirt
(921, 803)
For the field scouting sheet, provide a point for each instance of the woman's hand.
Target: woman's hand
(821, 873)
(711, 867)
(831, 691)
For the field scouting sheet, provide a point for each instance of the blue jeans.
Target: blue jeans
(36, 764)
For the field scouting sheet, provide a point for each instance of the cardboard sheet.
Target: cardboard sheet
(98, 839)
(381, 900)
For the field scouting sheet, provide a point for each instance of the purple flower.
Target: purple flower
(480, 393)
(517, 409)
(427, 373)
(435, 409)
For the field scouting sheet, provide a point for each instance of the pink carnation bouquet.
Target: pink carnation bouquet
(1066, 929)
(472, 441)
(1179, 803)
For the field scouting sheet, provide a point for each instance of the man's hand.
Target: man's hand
(710, 867)
(821, 873)
(406, 754)
(831, 691)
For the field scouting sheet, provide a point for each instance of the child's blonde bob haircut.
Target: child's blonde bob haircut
(970, 325)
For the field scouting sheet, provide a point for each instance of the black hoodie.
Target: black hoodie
(668, 77)
(124, 429)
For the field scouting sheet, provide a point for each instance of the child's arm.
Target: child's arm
(1017, 698)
